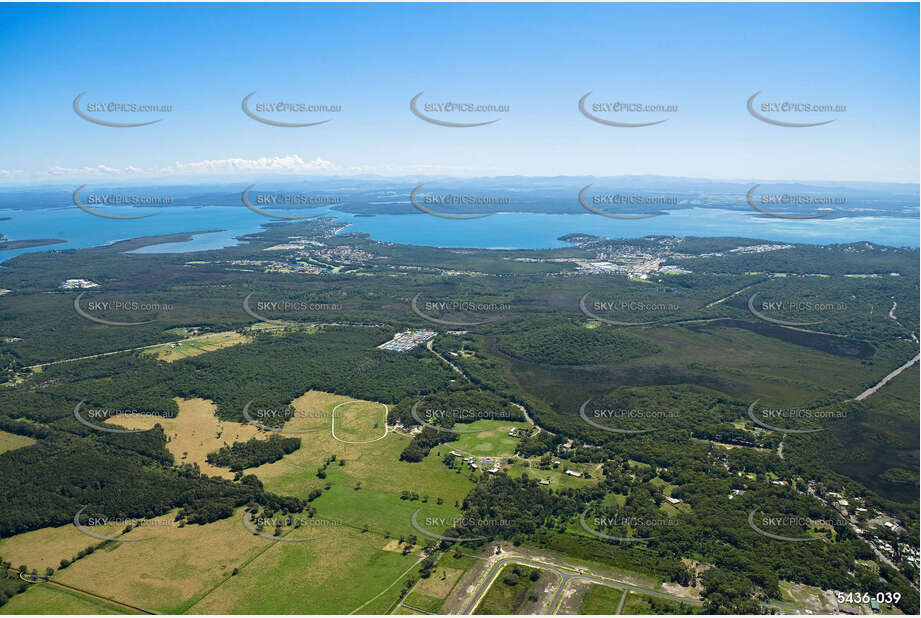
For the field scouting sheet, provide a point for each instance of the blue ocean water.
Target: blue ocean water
(499, 231)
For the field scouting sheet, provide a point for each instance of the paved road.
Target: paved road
(566, 575)
(623, 599)
(157, 345)
(725, 298)
(524, 410)
(428, 346)
(883, 382)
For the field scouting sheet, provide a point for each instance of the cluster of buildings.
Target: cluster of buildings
(863, 522)
(646, 261)
(638, 266)
(407, 340)
(642, 263)
(308, 256)
(763, 248)
(489, 464)
(77, 284)
(281, 266)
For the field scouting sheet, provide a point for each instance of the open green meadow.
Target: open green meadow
(601, 600)
(337, 574)
(509, 592)
(169, 572)
(359, 421)
(364, 486)
(50, 599)
(490, 440)
(644, 604)
(431, 592)
(40, 549)
(11, 441)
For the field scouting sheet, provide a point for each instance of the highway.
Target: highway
(568, 574)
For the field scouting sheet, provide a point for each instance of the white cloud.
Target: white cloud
(98, 170)
(232, 167)
(285, 164)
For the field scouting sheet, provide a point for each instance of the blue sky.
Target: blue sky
(538, 59)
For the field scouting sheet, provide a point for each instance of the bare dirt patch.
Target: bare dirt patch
(440, 583)
(194, 346)
(46, 547)
(194, 433)
(395, 545)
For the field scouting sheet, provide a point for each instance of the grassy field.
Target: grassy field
(405, 611)
(600, 599)
(187, 348)
(383, 512)
(491, 440)
(39, 549)
(168, 573)
(505, 598)
(334, 575)
(430, 593)
(49, 599)
(557, 477)
(11, 441)
(221, 567)
(374, 468)
(359, 421)
(194, 433)
(644, 604)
